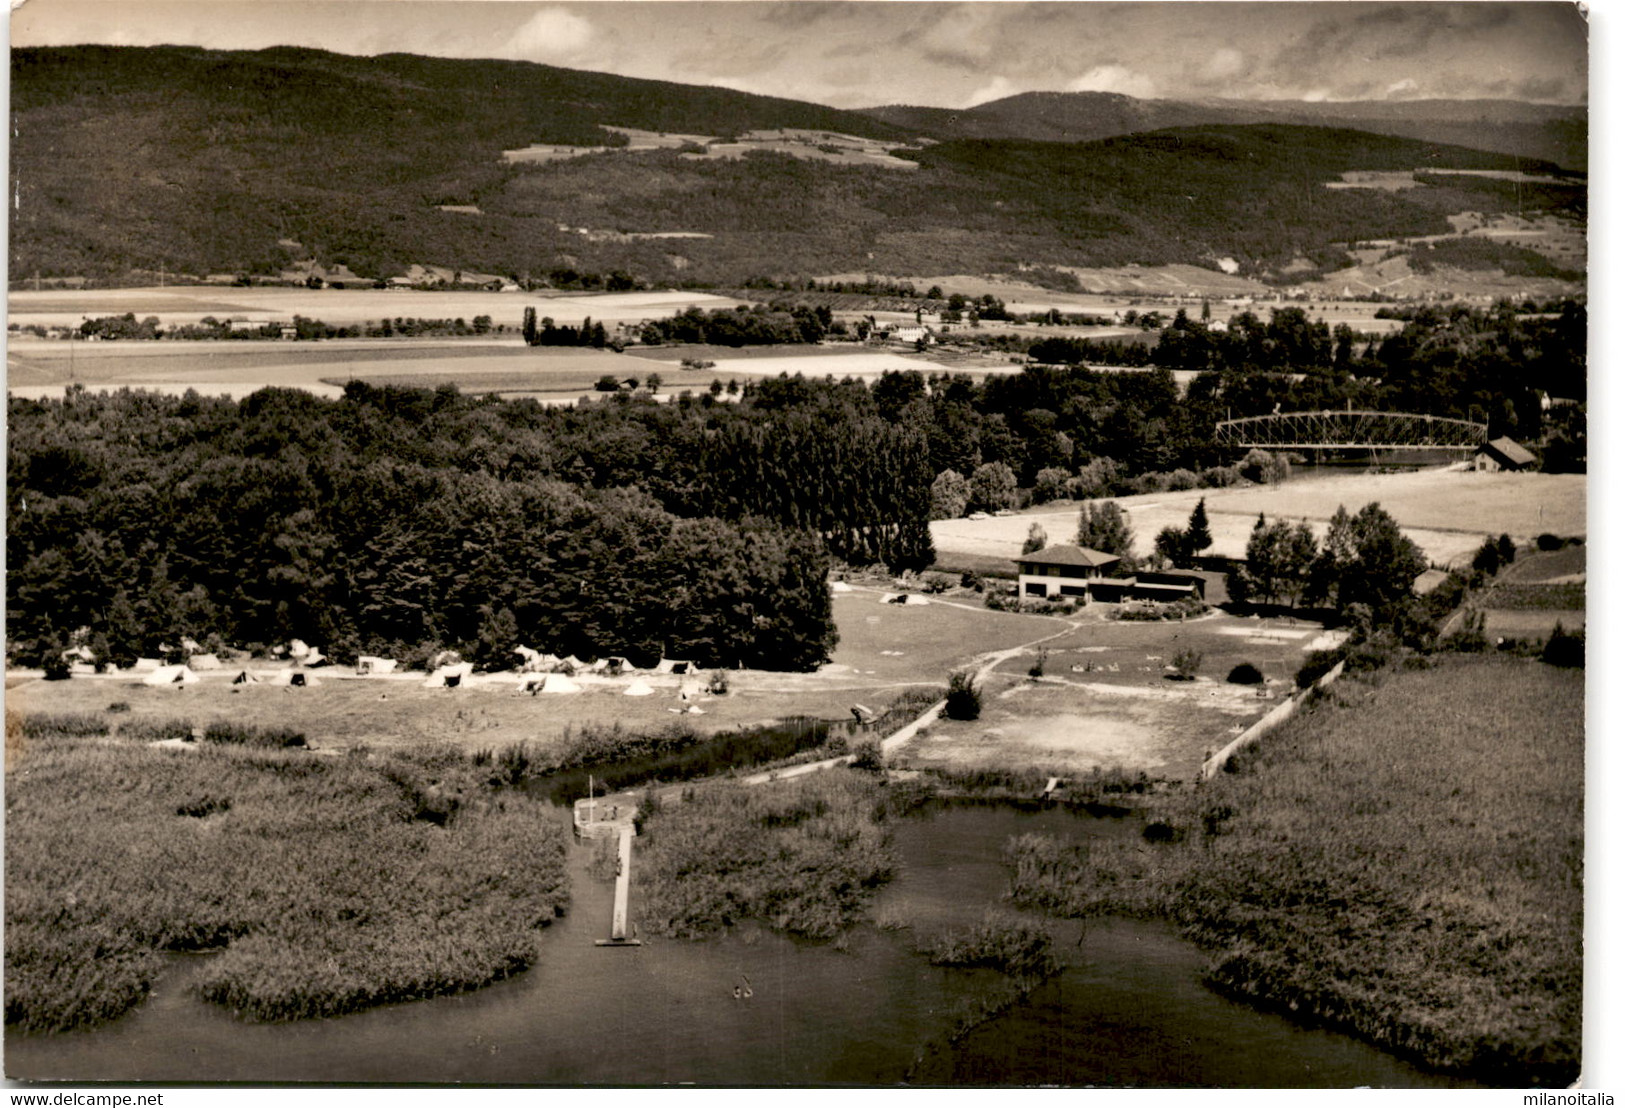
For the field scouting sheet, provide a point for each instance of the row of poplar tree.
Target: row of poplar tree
(402, 520)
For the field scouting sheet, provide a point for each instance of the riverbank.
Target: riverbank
(332, 883)
(1402, 862)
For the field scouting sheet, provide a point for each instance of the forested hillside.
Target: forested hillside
(1542, 132)
(192, 161)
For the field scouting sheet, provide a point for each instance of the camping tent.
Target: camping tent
(170, 675)
(449, 677)
(204, 661)
(531, 681)
(369, 663)
(297, 678)
(558, 683)
(245, 678)
(638, 688)
(839, 586)
(668, 665)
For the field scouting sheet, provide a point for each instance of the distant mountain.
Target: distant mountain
(192, 161)
(1547, 132)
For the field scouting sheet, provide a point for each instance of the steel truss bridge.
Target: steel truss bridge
(1351, 431)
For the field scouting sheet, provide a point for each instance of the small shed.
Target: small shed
(1500, 455)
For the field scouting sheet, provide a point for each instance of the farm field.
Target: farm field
(42, 369)
(813, 361)
(345, 307)
(1447, 512)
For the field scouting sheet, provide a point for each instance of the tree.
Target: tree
(1198, 537)
(1265, 468)
(992, 487)
(498, 635)
(1172, 545)
(1102, 526)
(950, 494)
(1488, 559)
(1508, 550)
(1036, 539)
(652, 382)
(1280, 557)
(964, 698)
(1386, 563)
(529, 327)
(1049, 484)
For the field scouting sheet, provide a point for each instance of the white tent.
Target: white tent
(147, 665)
(170, 675)
(529, 681)
(576, 664)
(638, 688)
(669, 665)
(449, 676)
(915, 598)
(315, 657)
(558, 683)
(369, 663)
(839, 586)
(294, 677)
(204, 661)
(297, 649)
(245, 678)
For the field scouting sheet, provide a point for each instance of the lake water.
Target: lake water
(1129, 1010)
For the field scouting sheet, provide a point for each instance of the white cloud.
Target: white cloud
(1402, 88)
(1223, 64)
(1316, 95)
(1115, 78)
(552, 34)
(996, 89)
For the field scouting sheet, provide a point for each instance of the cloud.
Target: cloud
(996, 89)
(1401, 89)
(1115, 78)
(1224, 64)
(552, 34)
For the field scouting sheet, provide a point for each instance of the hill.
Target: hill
(1545, 132)
(192, 161)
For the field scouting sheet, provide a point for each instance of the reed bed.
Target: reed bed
(802, 856)
(1403, 861)
(321, 878)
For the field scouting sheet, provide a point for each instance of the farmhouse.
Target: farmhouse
(1061, 570)
(1502, 454)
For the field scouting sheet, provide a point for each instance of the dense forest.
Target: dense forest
(195, 161)
(399, 520)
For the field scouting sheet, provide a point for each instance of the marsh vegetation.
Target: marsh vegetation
(326, 884)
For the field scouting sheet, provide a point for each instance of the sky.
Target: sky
(954, 55)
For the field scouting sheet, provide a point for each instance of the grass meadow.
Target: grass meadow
(1402, 862)
(326, 884)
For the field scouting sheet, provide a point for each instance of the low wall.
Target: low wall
(1271, 720)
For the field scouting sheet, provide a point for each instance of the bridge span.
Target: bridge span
(1350, 430)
